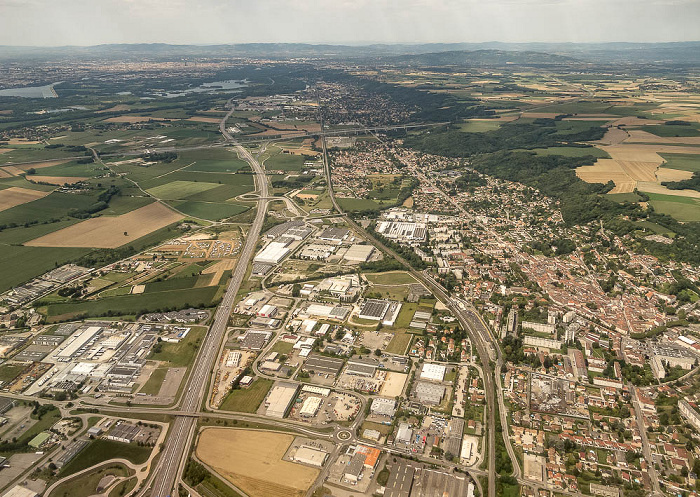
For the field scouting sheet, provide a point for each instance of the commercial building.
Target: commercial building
(405, 434)
(361, 367)
(380, 310)
(336, 235)
(279, 399)
(254, 339)
(322, 364)
(432, 372)
(358, 253)
(310, 407)
(124, 432)
(311, 456)
(429, 393)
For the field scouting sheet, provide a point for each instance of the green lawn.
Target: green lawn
(9, 372)
(215, 160)
(101, 450)
(86, 485)
(684, 162)
(406, 315)
(180, 354)
(247, 399)
(180, 189)
(282, 348)
(284, 162)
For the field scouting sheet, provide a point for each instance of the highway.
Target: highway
(171, 463)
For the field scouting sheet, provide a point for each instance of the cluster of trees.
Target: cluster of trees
(686, 184)
(160, 156)
(101, 204)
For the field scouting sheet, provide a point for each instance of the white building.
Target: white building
(432, 372)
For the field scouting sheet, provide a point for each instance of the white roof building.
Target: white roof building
(432, 372)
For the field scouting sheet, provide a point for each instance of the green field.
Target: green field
(479, 126)
(277, 160)
(683, 209)
(581, 107)
(247, 399)
(101, 450)
(391, 278)
(178, 355)
(155, 381)
(180, 189)
(121, 204)
(52, 207)
(572, 151)
(213, 211)
(684, 162)
(35, 153)
(406, 315)
(72, 169)
(672, 130)
(86, 485)
(124, 305)
(282, 348)
(360, 204)
(20, 264)
(399, 343)
(215, 160)
(624, 197)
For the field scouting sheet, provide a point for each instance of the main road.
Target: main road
(173, 458)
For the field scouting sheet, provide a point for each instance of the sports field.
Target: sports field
(9, 197)
(111, 231)
(180, 189)
(255, 465)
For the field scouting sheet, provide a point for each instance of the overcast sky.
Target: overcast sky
(91, 22)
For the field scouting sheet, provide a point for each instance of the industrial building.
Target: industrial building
(429, 393)
(361, 367)
(383, 407)
(279, 400)
(336, 235)
(254, 339)
(432, 372)
(322, 364)
(358, 253)
(78, 343)
(403, 232)
(310, 407)
(273, 253)
(405, 434)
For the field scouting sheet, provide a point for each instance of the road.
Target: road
(171, 463)
(478, 335)
(646, 450)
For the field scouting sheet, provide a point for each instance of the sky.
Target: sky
(93, 22)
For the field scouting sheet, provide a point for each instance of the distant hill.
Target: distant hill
(681, 53)
(466, 58)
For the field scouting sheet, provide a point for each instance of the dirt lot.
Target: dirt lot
(15, 195)
(109, 232)
(393, 385)
(256, 465)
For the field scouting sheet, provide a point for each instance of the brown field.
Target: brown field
(18, 170)
(203, 119)
(641, 136)
(4, 174)
(3, 150)
(666, 174)
(657, 188)
(133, 119)
(55, 180)
(252, 460)
(22, 141)
(116, 108)
(218, 270)
(108, 231)
(15, 195)
(613, 136)
(605, 170)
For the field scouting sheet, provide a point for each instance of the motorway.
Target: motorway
(171, 463)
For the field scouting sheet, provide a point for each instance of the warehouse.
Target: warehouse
(358, 253)
(317, 252)
(373, 309)
(359, 367)
(334, 235)
(404, 434)
(432, 372)
(255, 340)
(78, 342)
(311, 456)
(279, 399)
(383, 407)
(321, 364)
(429, 393)
(310, 407)
(273, 253)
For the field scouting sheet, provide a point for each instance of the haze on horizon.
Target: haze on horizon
(92, 22)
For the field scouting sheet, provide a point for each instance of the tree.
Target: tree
(378, 352)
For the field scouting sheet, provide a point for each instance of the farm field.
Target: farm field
(212, 211)
(247, 399)
(684, 209)
(110, 232)
(180, 189)
(256, 466)
(10, 197)
(49, 208)
(683, 162)
(219, 160)
(21, 263)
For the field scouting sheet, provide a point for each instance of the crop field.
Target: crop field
(215, 160)
(358, 204)
(10, 197)
(125, 305)
(247, 399)
(673, 131)
(277, 160)
(684, 162)
(212, 211)
(256, 466)
(180, 189)
(57, 180)
(111, 231)
(20, 264)
(226, 185)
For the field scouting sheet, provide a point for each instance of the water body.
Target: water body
(31, 92)
(227, 85)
